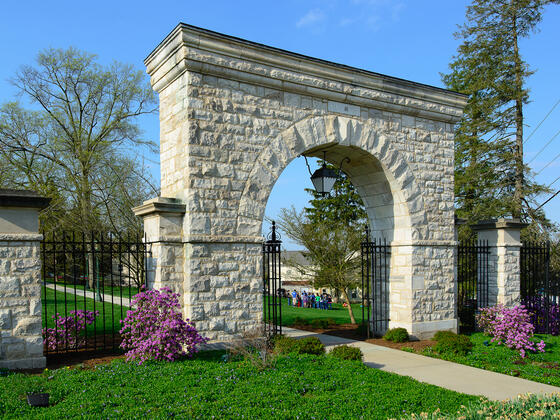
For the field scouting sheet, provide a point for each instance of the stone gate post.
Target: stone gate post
(503, 236)
(21, 342)
(163, 226)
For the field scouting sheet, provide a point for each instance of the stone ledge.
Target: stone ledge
(426, 242)
(29, 363)
(160, 205)
(21, 237)
(224, 239)
(22, 198)
(501, 223)
(209, 239)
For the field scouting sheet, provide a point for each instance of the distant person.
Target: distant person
(294, 297)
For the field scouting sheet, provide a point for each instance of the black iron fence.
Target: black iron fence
(272, 283)
(89, 280)
(472, 282)
(540, 287)
(376, 266)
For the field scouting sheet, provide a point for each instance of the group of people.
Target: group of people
(310, 300)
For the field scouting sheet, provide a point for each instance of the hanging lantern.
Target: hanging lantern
(323, 179)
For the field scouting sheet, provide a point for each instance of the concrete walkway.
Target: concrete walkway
(461, 378)
(90, 294)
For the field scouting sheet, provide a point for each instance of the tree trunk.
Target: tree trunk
(91, 269)
(519, 181)
(352, 319)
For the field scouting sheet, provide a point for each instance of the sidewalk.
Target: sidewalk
(460, 378)
(108, 298)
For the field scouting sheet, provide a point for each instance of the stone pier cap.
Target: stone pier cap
(508, 229)
(20, 209)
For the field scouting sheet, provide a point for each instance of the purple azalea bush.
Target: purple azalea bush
(511, 327)
(67, 333)
(155, 329)
(543, 311)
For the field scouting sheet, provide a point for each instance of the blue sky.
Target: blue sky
(409, 39)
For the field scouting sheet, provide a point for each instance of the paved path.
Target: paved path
(90, 294)
(461, 378)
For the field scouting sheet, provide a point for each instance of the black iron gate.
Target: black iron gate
(376, 257)
(272, 283)
(540, 288)
(89, 280)
(472, 282)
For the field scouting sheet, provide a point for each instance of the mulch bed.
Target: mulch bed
(91, 359)
(350, 331)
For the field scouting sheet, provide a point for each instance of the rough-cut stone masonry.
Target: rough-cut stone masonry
(504, 281)
(234, 114)
(21, 343)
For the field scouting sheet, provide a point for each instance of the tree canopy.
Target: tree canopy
(331, 229)
(491, 179)
(78, 143)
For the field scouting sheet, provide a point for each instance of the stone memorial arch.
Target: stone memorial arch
(234, 114)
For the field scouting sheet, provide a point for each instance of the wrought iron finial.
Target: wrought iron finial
(273, 236)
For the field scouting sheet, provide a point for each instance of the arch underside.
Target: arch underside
(383, 179)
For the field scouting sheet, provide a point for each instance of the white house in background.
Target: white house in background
(292, 278)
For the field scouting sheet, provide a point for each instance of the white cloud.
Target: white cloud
(347, 21)
(311, 18)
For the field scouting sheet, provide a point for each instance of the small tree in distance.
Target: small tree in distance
(331, 230)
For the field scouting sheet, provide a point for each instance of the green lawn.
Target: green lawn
(338, 313)
(302, 387)
(539, 367)
(106, 323)
(116, 291)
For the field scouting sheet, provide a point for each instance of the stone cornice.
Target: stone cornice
(23, 198)
(21, 237)
(424, 242)
(160, 205)
(499, 224)
(207, 52)
(209, 239)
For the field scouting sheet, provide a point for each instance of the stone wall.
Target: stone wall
(234, 114)
(21, 342)
(504, 271)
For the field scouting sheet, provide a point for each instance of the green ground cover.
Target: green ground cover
(301, 386)
(539, 367)
(338, 313)
(106, 323)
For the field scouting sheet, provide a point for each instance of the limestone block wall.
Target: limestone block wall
(223, 290)
(21, 342)
(234, 114)
(504, 269)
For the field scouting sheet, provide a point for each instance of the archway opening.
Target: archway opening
(388, 220)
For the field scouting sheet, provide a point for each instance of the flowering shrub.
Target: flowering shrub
(155, 329)
(509, 326)
(543, 311)
(67, 333)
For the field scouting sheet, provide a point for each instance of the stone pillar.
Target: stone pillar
(163, 226)
(218, 277)
(21, 342)
(503, 236)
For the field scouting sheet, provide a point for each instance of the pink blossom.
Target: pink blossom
(155, 329)
(511, 327)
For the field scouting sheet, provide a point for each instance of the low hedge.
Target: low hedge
(459, 345)
(397, 335)
(345, 352)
